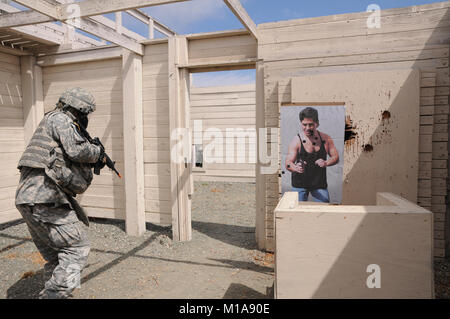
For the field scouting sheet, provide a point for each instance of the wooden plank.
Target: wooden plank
(340, 46)
(401, 23)
(179, 174)
(96, 7)
(82, 56)
(22, 18)
(387, 225)
(133, 143)
(359, 15)
(219, 62)
(85, 66)
(237, 47)
(41, 6)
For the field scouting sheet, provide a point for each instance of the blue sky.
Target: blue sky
(198, 16)
(212, 15)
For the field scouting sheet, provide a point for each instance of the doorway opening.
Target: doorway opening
(222, 121)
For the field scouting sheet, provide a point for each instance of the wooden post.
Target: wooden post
(32, 95)
(151, 28)
(133, 143)
(260, 229)
(118, 22)
(180, 173)
(69, 30)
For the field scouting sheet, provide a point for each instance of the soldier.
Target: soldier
(55, 167)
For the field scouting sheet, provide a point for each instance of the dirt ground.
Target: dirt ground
(221, 261)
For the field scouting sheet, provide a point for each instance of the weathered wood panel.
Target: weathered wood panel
(155, 95)
(11, 134)
(104, 80)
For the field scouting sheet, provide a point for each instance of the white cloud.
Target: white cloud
(223, 78)
(180, 15)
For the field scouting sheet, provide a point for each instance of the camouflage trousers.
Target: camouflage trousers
(64, 246)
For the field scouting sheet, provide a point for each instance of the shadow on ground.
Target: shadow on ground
(239, 236)
(28, 287)
(239, 291)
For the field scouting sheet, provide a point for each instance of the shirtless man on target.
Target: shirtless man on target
(307, 158)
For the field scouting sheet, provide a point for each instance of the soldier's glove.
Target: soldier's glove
(96, 141)
(100, 163)
(101, 160)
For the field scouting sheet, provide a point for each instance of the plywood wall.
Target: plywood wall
(105, 197)
(11, 134)
(219, 49)
(156, 134)
(221, 108)
(416, 37)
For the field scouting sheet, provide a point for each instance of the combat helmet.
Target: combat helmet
(79, 99)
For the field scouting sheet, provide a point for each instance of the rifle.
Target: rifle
(104, 158)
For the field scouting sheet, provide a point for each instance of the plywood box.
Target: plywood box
(329, 251)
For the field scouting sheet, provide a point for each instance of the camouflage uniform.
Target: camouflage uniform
(55, 166)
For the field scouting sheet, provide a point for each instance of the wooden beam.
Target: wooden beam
(137, 14)
(244, 63)
(13, 51)
(97, 7)
(151, 29)
(260, 194)
(93, 54)
(111, 35)
(163, 29)
(239, 11)
(118, 27)
(180, 173)
(41, 6)
(133, 143)
(21, 18)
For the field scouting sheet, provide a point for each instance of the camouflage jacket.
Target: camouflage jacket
(56, 134)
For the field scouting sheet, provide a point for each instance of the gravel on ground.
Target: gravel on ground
(221, 260)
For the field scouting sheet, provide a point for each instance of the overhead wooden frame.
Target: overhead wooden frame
(152, 23)
(87, 8)
(240, 12)
(87, 25)
(86, 16)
